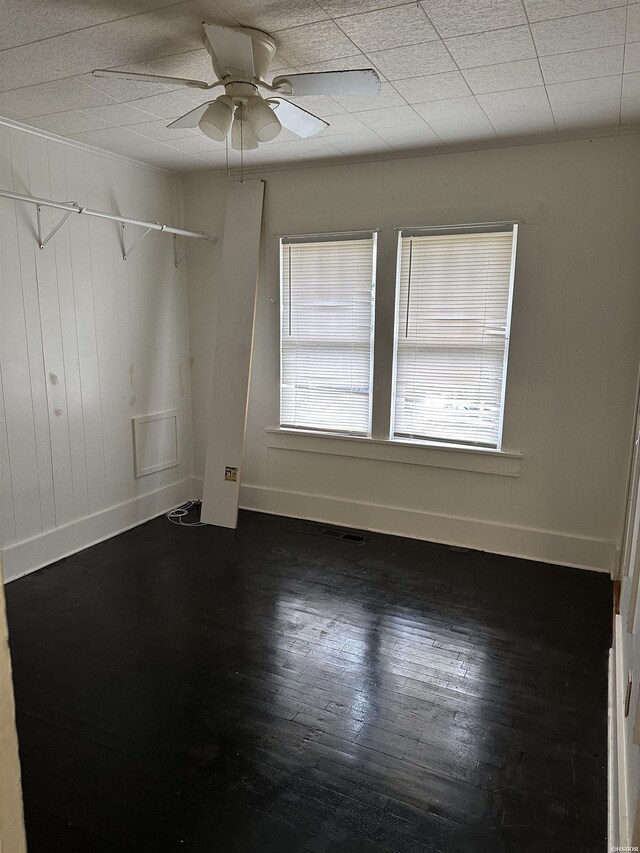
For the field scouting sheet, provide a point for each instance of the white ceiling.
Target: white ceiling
(453, 71)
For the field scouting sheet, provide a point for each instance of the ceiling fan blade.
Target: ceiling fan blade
(230, 49)
(192, 118)
(296, 119)
(151, 78)
(364, 82)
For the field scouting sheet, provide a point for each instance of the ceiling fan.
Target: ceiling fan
(241, 58)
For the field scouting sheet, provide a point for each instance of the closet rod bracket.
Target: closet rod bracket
(126, 252)
(177, 260)
(42, 241)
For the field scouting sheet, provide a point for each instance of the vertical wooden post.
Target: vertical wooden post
(232, 359)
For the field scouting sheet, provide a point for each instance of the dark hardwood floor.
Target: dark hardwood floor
(273, 690)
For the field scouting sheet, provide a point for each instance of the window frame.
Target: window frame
(291, 239)
(385, 247)
(475, 228)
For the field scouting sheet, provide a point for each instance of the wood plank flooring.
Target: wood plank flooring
(275, 690)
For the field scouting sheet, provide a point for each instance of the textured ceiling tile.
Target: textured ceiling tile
(581, 32)
(582, 64)
(387, 97)
(493, 47)
(389, 28)
(175, 29)
(518, 99)
(346, 123)
(341, 8)
(523, 121)
(312, 43)
(393, 117)
(632, 57)
(418, 59)
(158, 155)
(25, 21)
(595, 114)
(301, 149)
(195, 144)
(71, 121)
(273, 16)
(633, 22)
(415, 136)
(464, 130)
(46, 98)
(521, 74)
(460, 17)
(361, 143)
(171, 105)
(630, 110)
(108, 137)
(449, 111)
(159, 132)
(584, 91)
(210, 159)
(631, 85)
(543, 10)
(434, 87)
(120, 114)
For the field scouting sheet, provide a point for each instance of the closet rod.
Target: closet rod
(72, 207)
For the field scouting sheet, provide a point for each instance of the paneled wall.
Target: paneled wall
(87, 341)
(575, 347)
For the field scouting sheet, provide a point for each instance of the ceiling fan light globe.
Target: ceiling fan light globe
(262, 119)
(216, 121)
(243, 137)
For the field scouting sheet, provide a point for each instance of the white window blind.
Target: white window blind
(327, 287)
(453, 313)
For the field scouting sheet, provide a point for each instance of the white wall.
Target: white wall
(87, 341)
(574, 354)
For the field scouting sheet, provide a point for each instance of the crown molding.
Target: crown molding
(431, 151)
(90, 149)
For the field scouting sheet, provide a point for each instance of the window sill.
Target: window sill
(431, 454)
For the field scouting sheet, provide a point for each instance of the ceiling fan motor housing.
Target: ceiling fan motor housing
(263, 47)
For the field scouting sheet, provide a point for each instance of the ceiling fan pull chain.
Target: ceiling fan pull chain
(226, 149)
(241, 156)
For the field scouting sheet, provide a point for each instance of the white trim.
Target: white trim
(618, 789)
(32, 554)
(91, 149)
(546, 546)
(485, 460)
(613, 799)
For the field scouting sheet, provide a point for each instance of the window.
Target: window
(326, 331)
(453, 305)
(454, 288)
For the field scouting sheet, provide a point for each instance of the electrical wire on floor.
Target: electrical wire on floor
(178, 515)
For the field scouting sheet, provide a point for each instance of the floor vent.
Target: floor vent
(333, 533)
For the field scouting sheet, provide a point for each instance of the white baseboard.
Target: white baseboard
(32, 554)
(546, 546)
